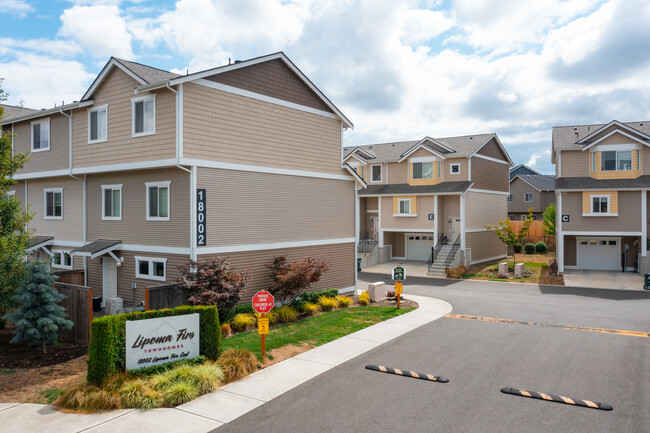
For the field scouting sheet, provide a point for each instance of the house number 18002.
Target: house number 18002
(200, 218)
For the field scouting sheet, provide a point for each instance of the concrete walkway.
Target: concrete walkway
(233, 400)
(412, 268)
(603, 279)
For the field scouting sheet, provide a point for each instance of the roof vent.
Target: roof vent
(471, 138)
(238, 61)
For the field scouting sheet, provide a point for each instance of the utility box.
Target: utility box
(114, 305)
(520, 270)
(377, 291)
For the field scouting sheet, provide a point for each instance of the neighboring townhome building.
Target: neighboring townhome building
(151, 169)
(522, 169)
(424, 193)
(527, 191)
(602, 181)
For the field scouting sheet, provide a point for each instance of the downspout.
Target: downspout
(83, 201)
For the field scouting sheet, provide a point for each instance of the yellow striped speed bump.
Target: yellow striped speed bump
(556, 398)
(407, 373)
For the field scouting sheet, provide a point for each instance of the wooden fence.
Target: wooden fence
(536, 228)
(74, 277)
(165, 296)
(78, 305)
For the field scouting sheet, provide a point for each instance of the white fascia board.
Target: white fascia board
(591, 190)
(41, 174)
(533, 186)
(411, 194)
(352, 155)
(612, 123)
(595, 233)
(125, 166)
(436, 142)
(411, 230)
(104, 73)
(358, 149)
(155, 249)
(487, 191)
(617, 131)
(362, 183)
(48, 112)
(41, 245)
(489, 158)
(524, 165)
(272, 246)
(503, 149)
(418, 146)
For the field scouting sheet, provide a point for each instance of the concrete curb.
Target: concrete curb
(233, 400)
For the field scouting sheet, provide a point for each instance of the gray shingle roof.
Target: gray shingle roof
(566, 137)
(591, 183)
(37, 240)
(97, 246)
(542, 182)
(391, 152)
(445, 187)
(14, 111)
(147, 73)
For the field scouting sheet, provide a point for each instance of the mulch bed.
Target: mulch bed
(14, 356)
(392, 302)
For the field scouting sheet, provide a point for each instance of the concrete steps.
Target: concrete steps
(438, 269)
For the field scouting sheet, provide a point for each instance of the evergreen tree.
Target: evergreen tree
(39, 319)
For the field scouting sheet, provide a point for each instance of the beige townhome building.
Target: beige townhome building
(151, 169)
(529, 190)
(602, 187)
(431, 200)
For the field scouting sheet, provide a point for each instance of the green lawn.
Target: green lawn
(315, 330)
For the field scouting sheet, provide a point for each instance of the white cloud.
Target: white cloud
(56, 48)
(421, 25)
(101, 30)
(18, 8)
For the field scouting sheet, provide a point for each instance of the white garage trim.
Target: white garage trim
(581, 264)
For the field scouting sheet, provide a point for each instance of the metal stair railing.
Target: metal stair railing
(452, 254)
(435, 251)
(367, 243)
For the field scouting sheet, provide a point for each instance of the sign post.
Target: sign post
(399, 274)
(263, 303)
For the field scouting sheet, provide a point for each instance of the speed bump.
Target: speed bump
(556, 398)
(407, 373)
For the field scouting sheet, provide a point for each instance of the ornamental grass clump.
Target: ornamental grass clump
(179, 393)
(310, 308)
(284, 314)
(226, 330)
(236, 364)
(364, 298)
(133, 392)
(327, 304)
(242, 321)
(343, 301)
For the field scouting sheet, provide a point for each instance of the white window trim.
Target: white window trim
(49, 135)
(54, 265)
(410, 214)
(591, 204)
(531, 200)
(45, 191)
(510, 198)
(381, 174)
(11, 192)
(112, 187)
(455, 164)
(616, 152)
(91, 110)
(167, 184)
(141, 99)
(150, 260)
(418, 160)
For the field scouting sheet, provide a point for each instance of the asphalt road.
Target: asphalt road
(479, 358)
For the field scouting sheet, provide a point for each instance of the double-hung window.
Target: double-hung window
(375, 172)
(158, 201)
(616, 160)
(53, 203)
(61, 259)
(510, 198)
(528, 197)
(599, 204)
(144, 115)
(112, 202)
(41, 135)
(423, 170)
(150, 268)
(98, 124)
(404, 206)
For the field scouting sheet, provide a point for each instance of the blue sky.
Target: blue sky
(399, 70)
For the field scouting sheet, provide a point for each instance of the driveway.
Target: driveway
(603, 279)
(412, 268)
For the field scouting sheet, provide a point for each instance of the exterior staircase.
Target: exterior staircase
(437, 269)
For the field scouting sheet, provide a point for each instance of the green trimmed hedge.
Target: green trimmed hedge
(313, 296)
(107, 350)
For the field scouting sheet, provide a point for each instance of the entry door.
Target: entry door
(109, 279)
(455, 229)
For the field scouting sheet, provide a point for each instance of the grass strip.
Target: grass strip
(316, 330)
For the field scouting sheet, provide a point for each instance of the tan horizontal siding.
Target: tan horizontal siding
(340, 259)
(275, 79)
(20, 192)
(484, 245)
(57, 158)
(252, 208)
(628, 219)
(70, 228)
(484, 209)
(117, 92)
(398, 172)
(448, 207)
(231, 128)
(134, 227)
(460, 177)
(490, 175)
(492, 150)
(424, 208)
(574, 163)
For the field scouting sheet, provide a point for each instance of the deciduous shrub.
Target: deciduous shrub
(343, 301)
(314, 296)
(529, 248)
(517, 248)
(327, 304)
(541, 247)
(107, 353)
(242, 321)
(364, 298)
(212, 282)
(290, 280)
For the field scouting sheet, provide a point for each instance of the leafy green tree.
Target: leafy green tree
(548, 217)
(38, 319)
(14, 235)
(507, 234)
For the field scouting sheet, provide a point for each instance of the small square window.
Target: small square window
(528, 197)
(512, 217)
(61, 259)
(510, 198)
(405, 206)
(599, 204)
(454, 168)
(150, 268)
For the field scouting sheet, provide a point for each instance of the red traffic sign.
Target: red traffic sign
(263, 302)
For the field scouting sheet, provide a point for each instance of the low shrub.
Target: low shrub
(364, 298)
(390, 294)
(343, 301)
(236, 364)
(541, 247)
(225, 330)
(179, 393)
(132, 391)
(284, 314)
(207, 377)
(238, 309)
(314, 296)
(529, 248)
(76, 397)
(242, 321)
(310, 308)
(327, 304)
(103, 400)
(517, 248)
